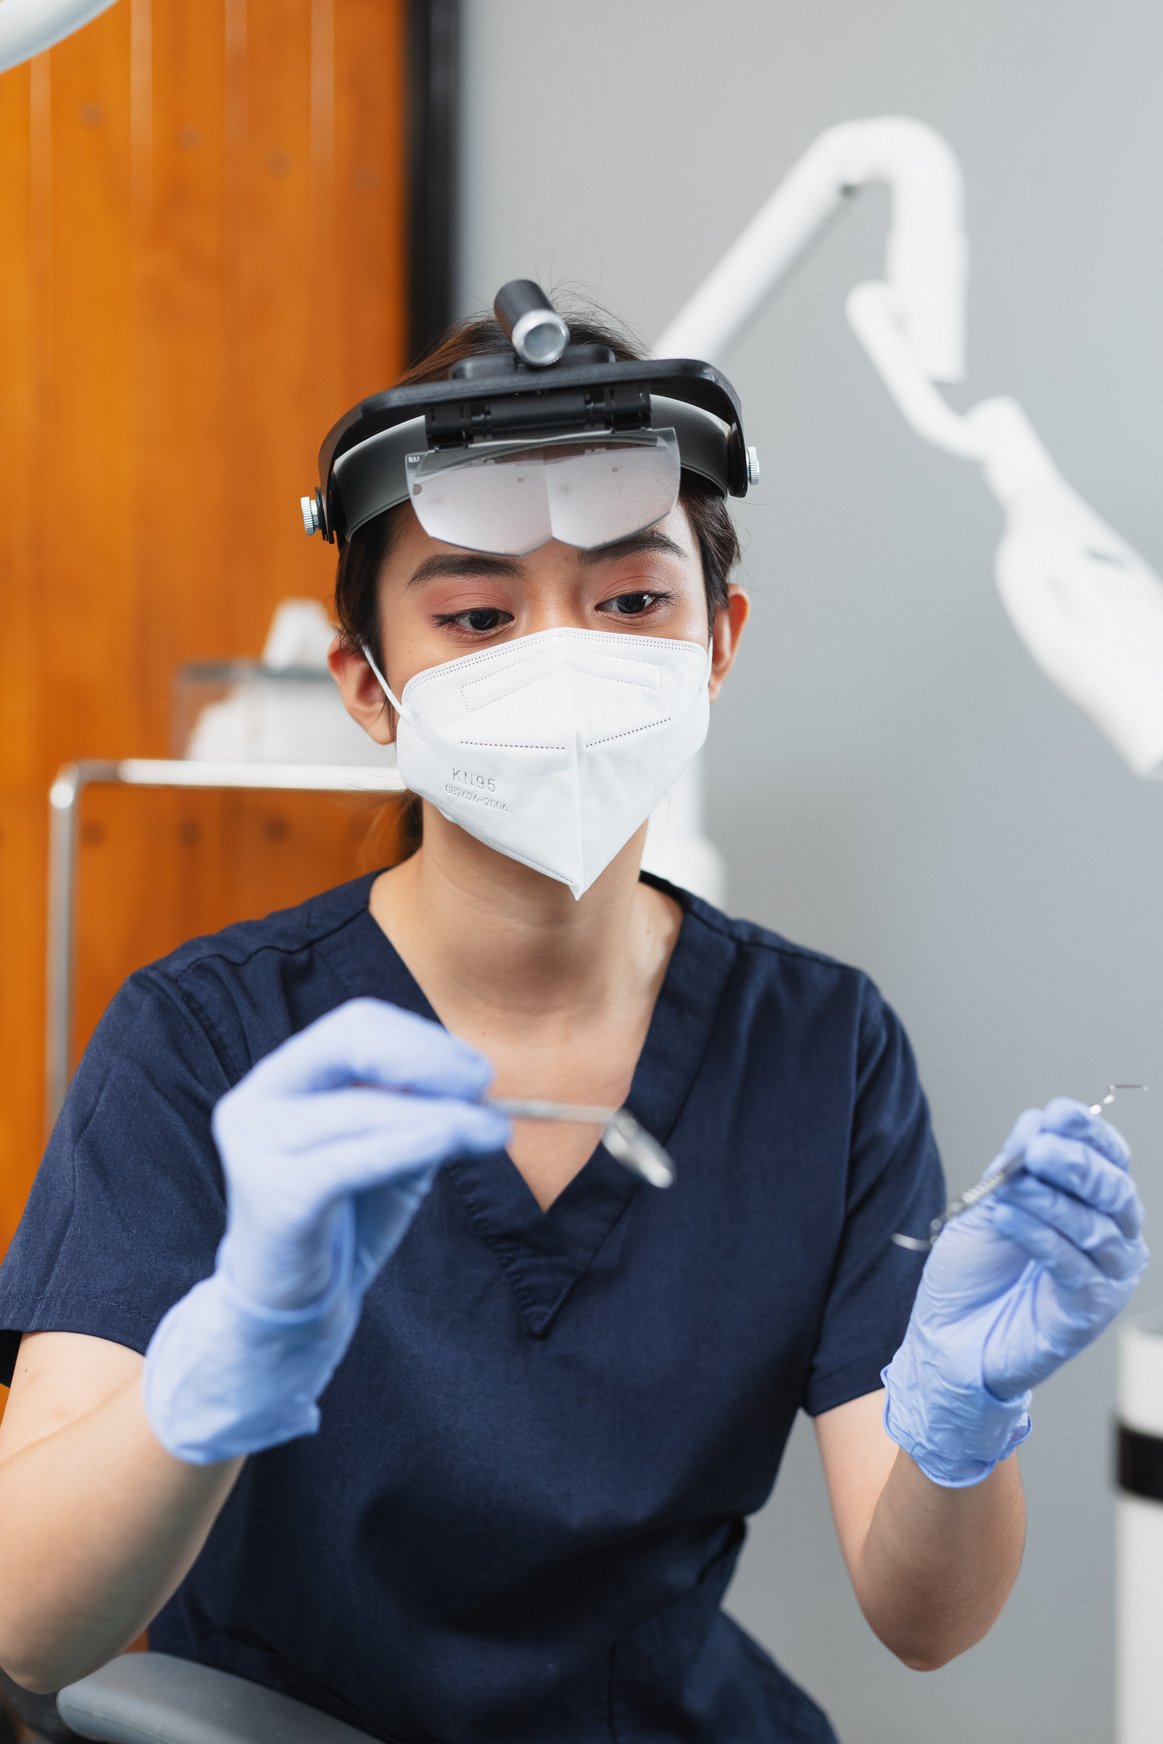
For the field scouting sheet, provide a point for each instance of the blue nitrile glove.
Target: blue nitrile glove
(324, 1173)
(1011, 1290)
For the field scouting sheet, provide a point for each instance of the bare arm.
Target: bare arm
(98, 1522)
(931, 1567)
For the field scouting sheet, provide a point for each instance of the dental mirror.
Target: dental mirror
(627, 1142)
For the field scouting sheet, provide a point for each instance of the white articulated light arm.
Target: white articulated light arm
(1087, 606)
(926, 256)
(29, 26)
(926, 263)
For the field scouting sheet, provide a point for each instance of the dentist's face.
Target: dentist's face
(438, 602)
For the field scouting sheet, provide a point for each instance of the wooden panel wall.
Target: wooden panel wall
(201, 265)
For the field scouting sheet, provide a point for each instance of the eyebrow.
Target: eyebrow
(647, 540)
(448, 565)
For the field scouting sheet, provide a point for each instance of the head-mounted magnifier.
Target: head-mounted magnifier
(549, 441)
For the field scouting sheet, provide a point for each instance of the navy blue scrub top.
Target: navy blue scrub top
(528, 1493)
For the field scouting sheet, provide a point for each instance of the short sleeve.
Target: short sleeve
(128, 1206)
(895, 1182)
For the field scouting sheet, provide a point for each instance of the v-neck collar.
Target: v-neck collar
(544, 1253)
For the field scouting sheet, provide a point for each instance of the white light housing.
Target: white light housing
(1087, 606)
(27, 27)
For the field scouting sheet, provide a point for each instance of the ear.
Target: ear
(729, 622)
(360, 689)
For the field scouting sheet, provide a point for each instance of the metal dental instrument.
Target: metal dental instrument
(989, 1184)
(627, 1142)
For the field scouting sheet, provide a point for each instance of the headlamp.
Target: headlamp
(550, 441)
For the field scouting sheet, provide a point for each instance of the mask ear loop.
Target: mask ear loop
(383, 683)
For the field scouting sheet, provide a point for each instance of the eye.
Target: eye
(634, 605)
(476, 620)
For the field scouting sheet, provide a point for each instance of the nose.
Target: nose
(563, 617)
(559, 602)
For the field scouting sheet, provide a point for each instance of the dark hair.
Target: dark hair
(362, 557)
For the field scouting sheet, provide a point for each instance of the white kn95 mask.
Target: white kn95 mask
(554, 748)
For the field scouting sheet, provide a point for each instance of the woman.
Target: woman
(334, 1393)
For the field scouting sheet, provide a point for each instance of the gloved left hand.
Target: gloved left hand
(1012, 1289)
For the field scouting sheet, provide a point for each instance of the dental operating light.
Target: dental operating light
(1088, 607)
(27, 27)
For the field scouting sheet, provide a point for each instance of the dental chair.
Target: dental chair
(154, 1698)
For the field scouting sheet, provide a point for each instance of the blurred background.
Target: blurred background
(221, 224)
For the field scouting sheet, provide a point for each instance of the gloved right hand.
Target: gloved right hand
(328, 1147)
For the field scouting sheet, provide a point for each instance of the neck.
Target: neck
(474, 926)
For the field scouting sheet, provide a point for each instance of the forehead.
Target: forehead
(670, 540)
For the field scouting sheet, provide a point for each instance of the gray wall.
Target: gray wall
(891, 778)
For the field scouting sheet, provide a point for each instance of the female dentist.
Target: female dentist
(338, 1380)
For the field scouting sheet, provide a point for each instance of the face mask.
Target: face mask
(554, 748)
